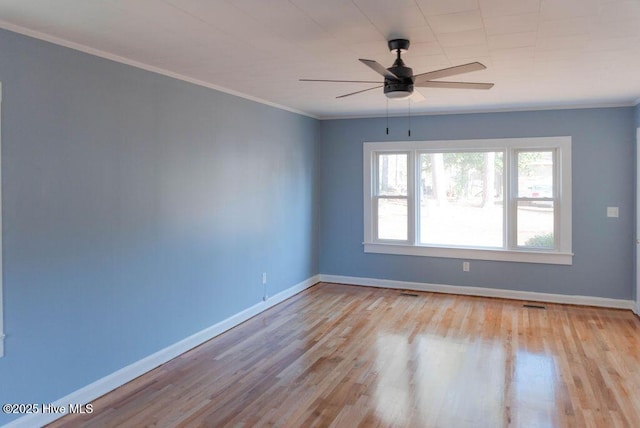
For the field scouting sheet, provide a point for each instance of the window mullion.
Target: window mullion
(417, 196)
(374, 217)
(374, 195)
(557, 230)
(511, 204)
(411, 202)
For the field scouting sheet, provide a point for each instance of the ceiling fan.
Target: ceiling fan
(399, 79)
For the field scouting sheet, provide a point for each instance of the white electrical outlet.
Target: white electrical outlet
(612, 212)
(465, 266)
(264, 278)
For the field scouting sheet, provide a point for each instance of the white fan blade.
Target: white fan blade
(446, 72)
(455, 85)
(378, 68)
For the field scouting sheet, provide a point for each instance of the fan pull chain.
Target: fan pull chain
(387, 116)
(409, 133)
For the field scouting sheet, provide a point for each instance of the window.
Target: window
(501, 199)
(391, 196)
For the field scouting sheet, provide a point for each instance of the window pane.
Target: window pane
(535, 224)
(535, 174)
(392, 219)
(392, 174)
(461, 199)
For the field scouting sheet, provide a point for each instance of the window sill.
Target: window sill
(555, 258)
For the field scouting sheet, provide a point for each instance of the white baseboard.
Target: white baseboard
(484, 292)
(110, 382)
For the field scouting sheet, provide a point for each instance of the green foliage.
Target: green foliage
(540, 241)
(462, 167)
(526, 160)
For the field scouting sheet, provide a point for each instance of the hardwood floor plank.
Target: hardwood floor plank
(345, 356)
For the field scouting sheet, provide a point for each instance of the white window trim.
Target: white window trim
(1, 269)
(563, 255)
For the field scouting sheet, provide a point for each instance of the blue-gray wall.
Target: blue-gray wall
(603, 175)
(638, 116)
(137, 210)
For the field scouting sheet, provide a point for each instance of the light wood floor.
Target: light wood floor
(346, 356)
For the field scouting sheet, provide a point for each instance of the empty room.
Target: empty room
(297, 213)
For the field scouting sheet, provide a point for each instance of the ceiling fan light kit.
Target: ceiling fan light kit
(397, 94)
(399, 80)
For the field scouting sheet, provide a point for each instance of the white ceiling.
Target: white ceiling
(539, 53)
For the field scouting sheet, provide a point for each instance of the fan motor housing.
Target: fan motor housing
(398, 86)
(405, 82)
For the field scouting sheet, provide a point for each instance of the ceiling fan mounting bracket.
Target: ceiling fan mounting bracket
(395, 44)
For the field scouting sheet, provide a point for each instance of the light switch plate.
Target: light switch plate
(612, 212)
